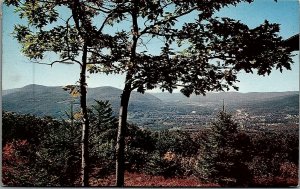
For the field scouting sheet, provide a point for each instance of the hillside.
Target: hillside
(227, 96)
(253, 101)
(138, 101)
(36, 99)
(155, 110)
(54, 101)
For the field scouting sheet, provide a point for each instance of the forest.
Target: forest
(42, 151)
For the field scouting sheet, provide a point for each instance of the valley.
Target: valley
(158, 111)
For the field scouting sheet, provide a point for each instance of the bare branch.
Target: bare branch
(104, 22)
(64, 61)
(160, 34)
(66, 37)
(102, 9)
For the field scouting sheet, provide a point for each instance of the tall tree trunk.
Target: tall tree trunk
(120, 147)
(85, 122)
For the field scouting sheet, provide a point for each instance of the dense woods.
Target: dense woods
(46, 152)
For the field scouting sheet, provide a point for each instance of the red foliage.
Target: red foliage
(275, 182)
(11, 161)
(288, 170)
(10, 149)
(287, 177)
(139, 179)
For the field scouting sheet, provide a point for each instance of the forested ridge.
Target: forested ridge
(151, 110)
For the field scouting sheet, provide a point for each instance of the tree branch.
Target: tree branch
(166, 21)
(99, 8)
(64, 61)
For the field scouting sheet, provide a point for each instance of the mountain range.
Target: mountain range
(54, 101)
(253, 101)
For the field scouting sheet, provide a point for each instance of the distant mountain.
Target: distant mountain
(150, 108)
(227, 96)
(54, 101)
(253, 101)
(287, 103)
(8, 91)
(138, 101)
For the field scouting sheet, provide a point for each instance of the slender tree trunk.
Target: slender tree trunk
(85, 122)
(120, 147)
(120, 157)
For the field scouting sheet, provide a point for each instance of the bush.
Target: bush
(179, 142)
(22, 127)
(51, 156)
(272, 153)
(288, 170)
(167, 166)
(15, 168)
(171, 147)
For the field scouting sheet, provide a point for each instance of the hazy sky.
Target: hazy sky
(18, 71)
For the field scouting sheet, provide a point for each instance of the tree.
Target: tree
(69, 34)
(226, 153)
(200, 55)
(21, 127)
(139, 143)
(46, 152)
(102, 136)
(205, 54)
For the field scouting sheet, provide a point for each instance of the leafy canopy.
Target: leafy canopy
(199, 55)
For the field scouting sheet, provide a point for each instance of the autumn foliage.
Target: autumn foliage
(50, 154)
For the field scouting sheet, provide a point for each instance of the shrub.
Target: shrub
(288, 170)
(51, 155)
(20, 168)
(273, 152)
(179, 142)
(167, 165)
(171, 147)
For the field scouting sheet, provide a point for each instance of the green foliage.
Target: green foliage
(167, 165)
(271, 150)
(139, 143)
(225, 154)
(102, 137)
(18, 165)
(170, 148)
(206, 39)
(21, 127)
(59, 153)
(139, 146)
(204, 54)
(179, 142)
(53, 152)
(51, 156)
(46, 152)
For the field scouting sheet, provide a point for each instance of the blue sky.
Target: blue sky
(18, 71)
